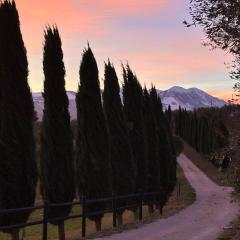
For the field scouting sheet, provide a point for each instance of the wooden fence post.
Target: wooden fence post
(114, 211)
(45, 221)
(83, 216)
(140, 205)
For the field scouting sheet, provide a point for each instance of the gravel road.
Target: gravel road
(203, 220)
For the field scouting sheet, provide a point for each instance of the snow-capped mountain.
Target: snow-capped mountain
(39, 104)
(176, 96)
(189, 99)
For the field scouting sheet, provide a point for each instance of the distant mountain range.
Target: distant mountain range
(189, 99)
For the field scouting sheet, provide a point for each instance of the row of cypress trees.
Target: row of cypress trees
(203, 129)
(120, 148)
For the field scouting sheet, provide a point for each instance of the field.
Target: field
(175, 204)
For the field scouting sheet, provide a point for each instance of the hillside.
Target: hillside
(189, 99)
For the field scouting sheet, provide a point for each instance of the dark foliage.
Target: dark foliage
(92, 147)
(203, 129)
(167, 155)
(57, 165)
(179, 145)
(123, 166)
(18, 173)
(152, 141)
(133, 109)
(168, 114)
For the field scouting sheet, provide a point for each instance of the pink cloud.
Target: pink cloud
(127, 7)
(225, 95)
(164, 56)
(74, 17)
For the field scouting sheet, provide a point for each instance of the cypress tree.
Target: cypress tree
(193, 129)
(203, 129)
(123, 166)
(92, 149)
(56, 136)
(153, 177)
(172, 152)
(179, 122)
(167, 156)
(133, 108)
(201, 134)
(205, 136)
(168, 114)
(18, 172)
(196, 120)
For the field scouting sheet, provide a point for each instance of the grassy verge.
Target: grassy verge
(233, 233)
(220, 178)
(175, 204)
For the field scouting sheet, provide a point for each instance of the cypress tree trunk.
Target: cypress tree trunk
(150, 208)
(98, 224)
(56, 154)
(92, 147)
(61, 231)
(15, 234)
(136, 215)
(18, 169)
(119, 219)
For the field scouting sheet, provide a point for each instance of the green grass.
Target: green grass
(73, 227)
(35, 232)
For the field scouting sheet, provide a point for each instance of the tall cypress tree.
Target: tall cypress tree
(167, 158)
(93, 155)
(179, 122)
(133, 108)
(18, 172)
(123, 166)
(172, 151)
(168, 114)
(153, 176)
(56, 136)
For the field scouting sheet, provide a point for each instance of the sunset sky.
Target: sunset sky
(149, 34)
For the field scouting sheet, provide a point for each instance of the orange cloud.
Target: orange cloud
(35, 15)
(225, 95)
(160, 50)
(85, 18)
(78, 21)
(40, 12)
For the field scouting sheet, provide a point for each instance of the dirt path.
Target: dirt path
(203, 220)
